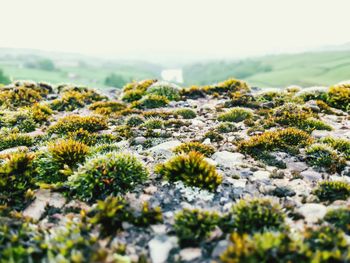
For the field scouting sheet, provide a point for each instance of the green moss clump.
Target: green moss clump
(167, 91)
(187, 147)
(107, 107)
(213, 136)
(321, 155)
(256, 215)
(68, 152)
(329, 191)
(192, 169)
(227, 86)
(193, 226)
(40, 112)
(132, 95)
(235, 115)
(134, 121)
(109, 174)
(264, 247)
(141, 85)
(74, 122)
(340, 218)
(193, 92)
(20, 119)
(16, 179)
(14, 140)
(153, 123)
(19, 96)
(148, 215)
(226, 127)
(341, 145)
(151, 102)
(186, 113)
(289, 139)
(69, 101)
(338, 96)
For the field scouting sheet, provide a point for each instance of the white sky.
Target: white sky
(212, 27)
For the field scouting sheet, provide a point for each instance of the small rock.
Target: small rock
(165, 149)
(139, 140)
(297, 166)
(150, 189)
(160, 246)
(311, 176)
(313, 212)
(219, 248)
(189, 254)
(261, 176)
(228, 159)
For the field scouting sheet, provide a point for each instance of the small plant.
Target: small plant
(107, 107)
(193, 226)
(110, 214)
(167, 91)
(329, 191)
(153, 123)
(132, 95)
(134, 121)
(14, 140)
(226, 127)
(186, 113)
(40, 112)
(256, 215)
(21, 120)
(68, 152)
(151, 102)
(83, 136)
(321, 155)
(19, 96)
(148, 215)
(264, 247)
(109, 174)
(141, 85)
(193, 92)
(227, 86)
(341, 145)
(235, 115)
(192, 169)
(213, 136)
(339, 96)
(16, 179)
(69, 101)
(289, 139)
(340, 218)
(74, 122)
(187, 147)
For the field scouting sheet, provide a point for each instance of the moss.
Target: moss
(103, 175)
(264, 247)
(226, 127)
(14, 140)
(40, 112)
(242, 99)
(192, 169)
(193, 226)
(176, 123)
(20, 119)
(339, 218)
(167, 91)
(68, 152)
(132, 95)
(213, 136)
(104, 148)
(16, 178)
(186, 113)
(193, 92)
(69, 101)
(289, 139)
(134, 121)
(227, 86)
(124, 131)
(148, 215)
(339, 144)
(107, 107)
(321, 155)
(255, 215)
(339, 96)
(83, 136)
(141, 85)
(235, 115)
(48, 170)
(329, 191)
(153, 123)
(151, 102)
(187, 147)
(74, 122)
(19, 96)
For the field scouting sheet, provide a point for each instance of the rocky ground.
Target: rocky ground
(289, 181)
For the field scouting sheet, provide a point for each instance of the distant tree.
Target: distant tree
(3, 79)
(46, 64)
(114, 80)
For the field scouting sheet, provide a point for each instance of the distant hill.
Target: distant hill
(304, 69)
(323, 67)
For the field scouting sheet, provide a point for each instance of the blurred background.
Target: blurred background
(107, 43)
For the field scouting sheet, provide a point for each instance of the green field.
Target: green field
(304, 69)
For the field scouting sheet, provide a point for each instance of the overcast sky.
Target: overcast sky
(137, 27)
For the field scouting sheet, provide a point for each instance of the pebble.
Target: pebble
(160, 246)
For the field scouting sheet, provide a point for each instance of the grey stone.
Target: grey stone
(313, 212)
(311, 175)
(227, 159)
(189, 254)
(165, 149)
(160, 246)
